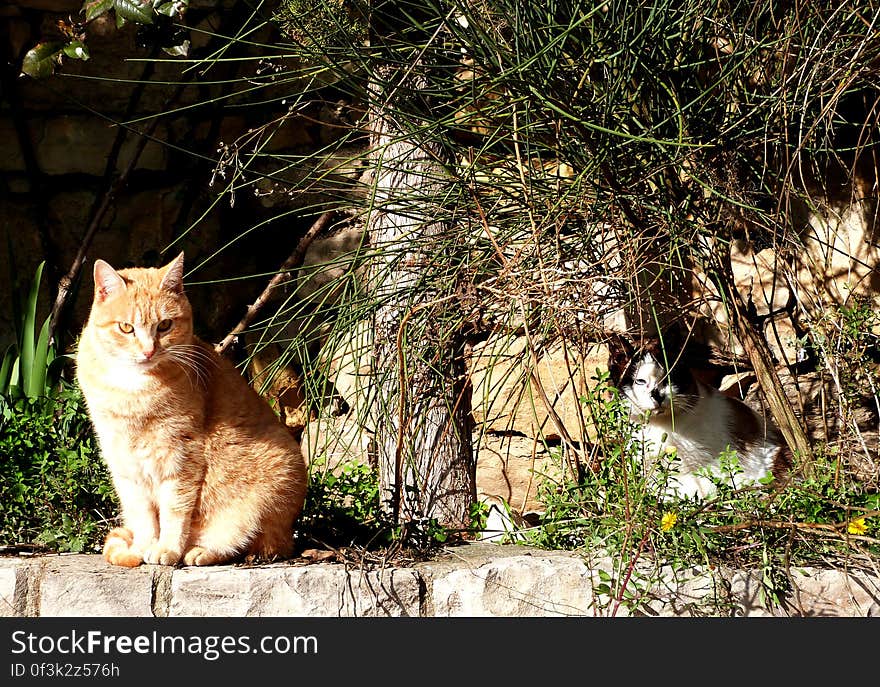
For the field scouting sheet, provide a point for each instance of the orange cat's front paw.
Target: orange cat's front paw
(118, 549)
(161, 555)
(200, 556)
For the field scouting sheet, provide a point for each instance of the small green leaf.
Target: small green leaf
(76, 50)
(169, 9)
(95, 8)
(134, 10)
(40, 61)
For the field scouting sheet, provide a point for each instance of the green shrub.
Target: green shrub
(343, 511)
(343, 508)
(54, 488)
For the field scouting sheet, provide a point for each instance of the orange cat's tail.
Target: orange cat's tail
(117, 548)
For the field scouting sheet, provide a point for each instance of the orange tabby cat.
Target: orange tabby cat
(204, 470)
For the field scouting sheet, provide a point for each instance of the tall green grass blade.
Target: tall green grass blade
(14, 389)
(6, 369)
(36, 381)
(28, 333)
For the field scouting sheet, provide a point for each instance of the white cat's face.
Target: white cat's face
(643, 380)
(647, 386)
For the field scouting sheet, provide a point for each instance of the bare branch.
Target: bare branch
(294, 261)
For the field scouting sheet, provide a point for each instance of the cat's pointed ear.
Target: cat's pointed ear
(172, 280)
(107, 281)
(619, 346)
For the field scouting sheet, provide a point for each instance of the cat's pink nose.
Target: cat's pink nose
(148, 354)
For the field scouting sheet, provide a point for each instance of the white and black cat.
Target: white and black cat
(674, 410)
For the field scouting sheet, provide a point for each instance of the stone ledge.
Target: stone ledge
(478, 579)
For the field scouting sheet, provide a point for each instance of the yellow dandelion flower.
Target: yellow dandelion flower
(857, 526)
(667, 522)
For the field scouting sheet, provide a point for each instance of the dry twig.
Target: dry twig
(294, 261)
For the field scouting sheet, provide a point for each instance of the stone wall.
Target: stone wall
(466, 581)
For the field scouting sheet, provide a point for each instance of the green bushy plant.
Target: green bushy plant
(342, 507)
(54, 488)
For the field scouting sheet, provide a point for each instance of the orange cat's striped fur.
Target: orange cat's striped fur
(204, 470)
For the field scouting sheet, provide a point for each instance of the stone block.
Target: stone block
(11, 158)
(533, 583)
(320, 590)
(513, 393)
(478, 579)
(72, 6)
(86, 585)
(814, 593)
(81, 145)
(8, 570)
(833, 593)
(686, 592)
(512, 467)
(840, 254)
(17, 267)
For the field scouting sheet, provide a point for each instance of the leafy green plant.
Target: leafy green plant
(43, 59)
(31, 368)
(612, 491)
(343, 510)
(342, 507)
(54, 488)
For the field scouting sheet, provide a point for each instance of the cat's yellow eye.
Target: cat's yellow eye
(164, 325)
(125, 328)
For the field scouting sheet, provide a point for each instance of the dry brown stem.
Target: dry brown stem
(294, 261)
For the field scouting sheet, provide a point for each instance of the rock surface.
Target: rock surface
(477, 579)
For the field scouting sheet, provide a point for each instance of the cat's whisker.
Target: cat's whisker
(684, 403)
(193, 358)
(186, 366)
